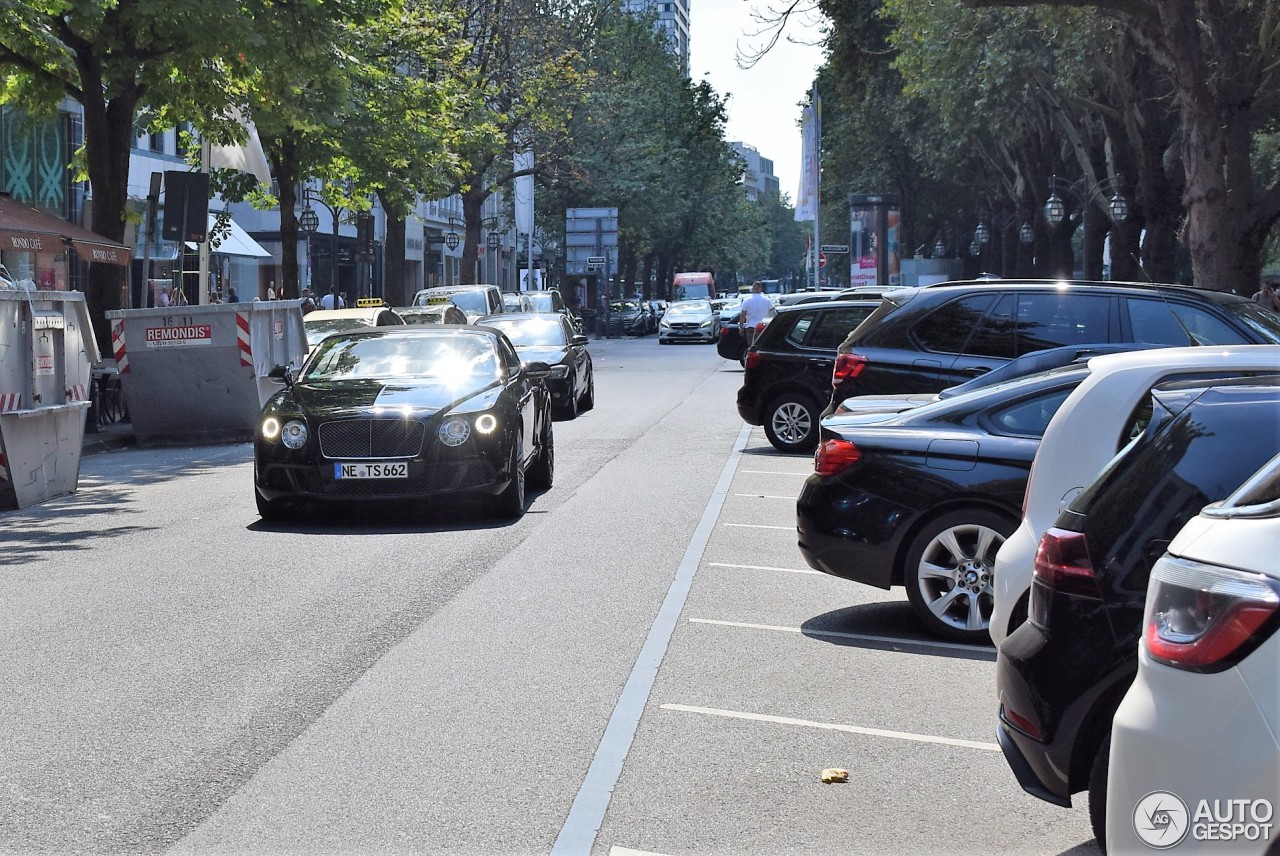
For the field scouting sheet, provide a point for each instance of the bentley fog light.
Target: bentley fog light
(271, 428)
(486, 423)
(454, 431)
(294, 434)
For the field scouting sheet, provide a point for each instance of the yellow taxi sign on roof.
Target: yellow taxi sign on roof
(364, 302)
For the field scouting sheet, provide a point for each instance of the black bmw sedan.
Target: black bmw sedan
(406, 413)
(551, 339)
(924, 499)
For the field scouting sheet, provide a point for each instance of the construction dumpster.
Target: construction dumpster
(47, 352)
(198, 374)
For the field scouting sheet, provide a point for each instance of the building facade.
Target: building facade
(672, 21)
(757, 177)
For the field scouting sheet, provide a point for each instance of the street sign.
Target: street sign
(835, 248)
(595, 260)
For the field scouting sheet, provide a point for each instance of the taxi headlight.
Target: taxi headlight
(486, 423)
(294, 434)
(271, 428)
(454, 431)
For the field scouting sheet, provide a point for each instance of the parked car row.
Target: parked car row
(1043, 511)
(384, 411)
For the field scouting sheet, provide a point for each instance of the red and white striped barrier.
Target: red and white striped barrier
(242, 339)
(117, 346)
(9, 401)
(79, 392)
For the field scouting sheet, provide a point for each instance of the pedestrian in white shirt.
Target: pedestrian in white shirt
(755, 308)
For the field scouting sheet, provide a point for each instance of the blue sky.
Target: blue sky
(764, 100)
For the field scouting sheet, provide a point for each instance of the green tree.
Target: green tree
(114, 57)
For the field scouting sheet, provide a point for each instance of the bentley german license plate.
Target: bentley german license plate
(398, 470)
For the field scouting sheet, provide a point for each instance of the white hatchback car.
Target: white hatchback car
(1090, 427)
(1195, 758)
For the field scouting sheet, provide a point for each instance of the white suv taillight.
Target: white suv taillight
(1204, 618)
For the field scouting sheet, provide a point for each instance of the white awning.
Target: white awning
(235, 242)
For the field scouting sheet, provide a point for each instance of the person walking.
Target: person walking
(1266, 296)
(332, 300)
(755, 308)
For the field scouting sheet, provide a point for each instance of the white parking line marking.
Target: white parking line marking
(831, 726)
(578, 835)
(955, 646)
(761, 526)
(627, 851)
(764, 568)
(765, 496)
(774, 473)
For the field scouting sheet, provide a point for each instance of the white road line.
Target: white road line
(761, 526)
(831, 726)
(765, 496)
(765, 568)
(773, 473)
(627, 851)
(578, 834)
(954, 646)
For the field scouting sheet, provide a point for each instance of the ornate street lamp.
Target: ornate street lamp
(1026, 234)
(939, 249)
(1055, 210)
(982, 234)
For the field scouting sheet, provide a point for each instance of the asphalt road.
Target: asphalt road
(642, 664)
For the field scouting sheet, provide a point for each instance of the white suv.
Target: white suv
(1198, 726)
(1091, 426)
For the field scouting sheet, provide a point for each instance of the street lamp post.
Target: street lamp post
(309, 222)
(1055, 210)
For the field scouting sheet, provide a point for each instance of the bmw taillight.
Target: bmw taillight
(848, 366)
(833, 456)
(1063, 563)
(1204, 618)
(752, 361)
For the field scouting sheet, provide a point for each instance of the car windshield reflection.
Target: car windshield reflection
(451, 358)
(548, 332)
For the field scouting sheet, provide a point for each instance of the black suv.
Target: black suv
(927, 339)
(788, 369)
(1061, 675)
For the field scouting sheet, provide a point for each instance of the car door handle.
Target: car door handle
(975, 371)
(820, 362)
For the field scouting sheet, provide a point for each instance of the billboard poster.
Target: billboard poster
(875, 236)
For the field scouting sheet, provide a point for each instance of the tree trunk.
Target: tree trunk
(395, 289)
(472, 210)
(284, 162)
(108, 133)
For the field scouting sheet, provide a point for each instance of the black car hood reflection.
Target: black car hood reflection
(332, 398)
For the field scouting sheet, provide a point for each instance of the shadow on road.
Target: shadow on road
(887, 627)
(452, 514)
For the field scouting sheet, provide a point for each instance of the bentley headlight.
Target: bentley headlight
(294, 434)
(486, 423)
(454, 431)
(271, 428)
(559, 372)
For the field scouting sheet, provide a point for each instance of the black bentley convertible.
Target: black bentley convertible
(403, 413)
